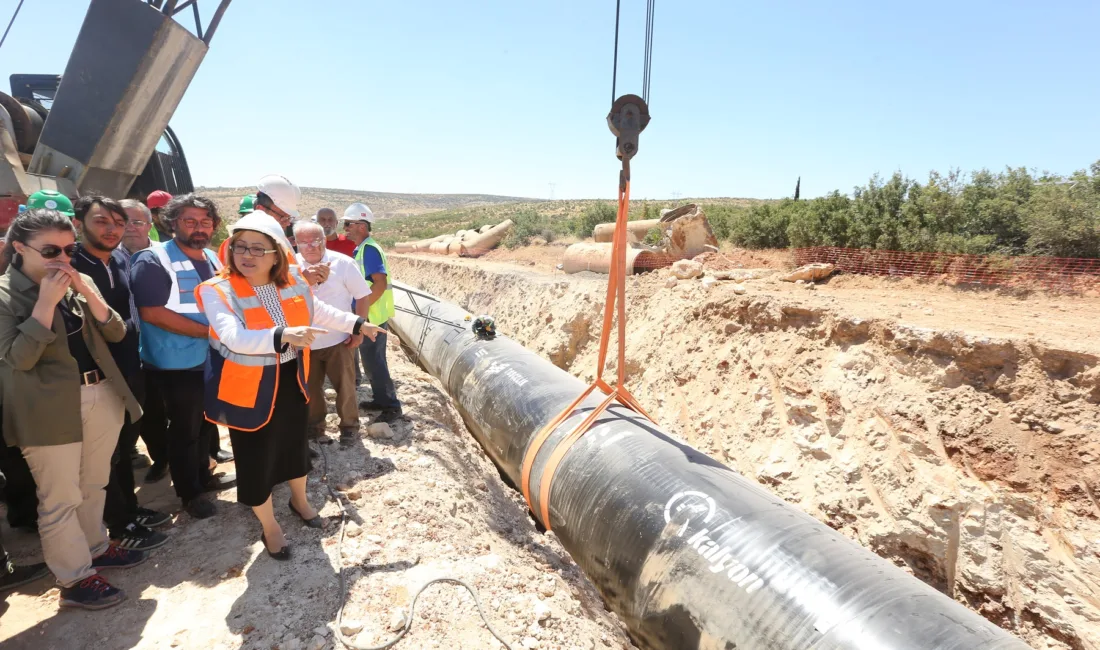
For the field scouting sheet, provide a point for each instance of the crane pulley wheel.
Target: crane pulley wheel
(628, 118)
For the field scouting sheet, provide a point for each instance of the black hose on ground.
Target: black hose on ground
(412, 603)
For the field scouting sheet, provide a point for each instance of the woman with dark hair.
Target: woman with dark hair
(262, 321)
(54, 329)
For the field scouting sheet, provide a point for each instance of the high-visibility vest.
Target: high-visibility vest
(240, 389)
(166, 350)
(382, 310)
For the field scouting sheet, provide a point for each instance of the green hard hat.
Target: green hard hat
(248, 204)
(50, 200)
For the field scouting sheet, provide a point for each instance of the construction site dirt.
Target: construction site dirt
(950, 430)
(424, 503)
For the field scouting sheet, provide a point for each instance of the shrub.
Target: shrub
(594, 215)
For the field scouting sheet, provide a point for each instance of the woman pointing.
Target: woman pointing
(263, 319)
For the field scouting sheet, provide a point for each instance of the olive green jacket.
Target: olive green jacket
(39, 379)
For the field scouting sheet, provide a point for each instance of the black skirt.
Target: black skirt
(279, 451)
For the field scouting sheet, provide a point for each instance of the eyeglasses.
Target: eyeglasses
(251, 251)
(50, 252)
(137, 223)
(195, 223)
(310, 244)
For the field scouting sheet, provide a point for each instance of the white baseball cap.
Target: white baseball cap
(284, 194)
(358, 212)
(263, 223)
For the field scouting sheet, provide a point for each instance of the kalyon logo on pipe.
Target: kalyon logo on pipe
(698, 510)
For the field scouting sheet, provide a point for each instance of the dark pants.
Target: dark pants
(215, 444)
(120, 506)
(377, 371)
(188, 431)
(20, 491)
(154, 424)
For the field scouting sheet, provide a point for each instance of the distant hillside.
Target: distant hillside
(384, 204)
(553, 217)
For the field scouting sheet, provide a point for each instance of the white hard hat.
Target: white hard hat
(358, 212)
(283, 193)
(264, 223)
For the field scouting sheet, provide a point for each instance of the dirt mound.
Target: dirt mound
(966, 458)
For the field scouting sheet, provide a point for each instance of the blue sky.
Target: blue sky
(509, 96)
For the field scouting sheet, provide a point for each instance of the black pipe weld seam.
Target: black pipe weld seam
(688, 553)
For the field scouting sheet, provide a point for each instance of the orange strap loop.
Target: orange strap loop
(615, 304)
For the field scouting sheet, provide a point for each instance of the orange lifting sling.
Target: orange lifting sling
(614, 303)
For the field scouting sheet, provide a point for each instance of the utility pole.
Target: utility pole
(552, 187)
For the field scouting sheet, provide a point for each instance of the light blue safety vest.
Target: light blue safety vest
(166, 350)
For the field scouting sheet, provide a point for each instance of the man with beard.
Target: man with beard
(326, 218)
(101, 222)
(174, 342)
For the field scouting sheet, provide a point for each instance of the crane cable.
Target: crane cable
(614, 306)
(10, 23)
(647, 65)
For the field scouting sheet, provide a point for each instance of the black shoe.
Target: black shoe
(372, 405)
(139, 460)
(135, 537)
(21, 575)
(92, 592)
(313, 453)
(200, 508)
(220, 482)
(223, 456)
(152, 518)
(348, 437)
(389, 416)
(281, 554)
(116, 557)
(156, 473)
(315, 522)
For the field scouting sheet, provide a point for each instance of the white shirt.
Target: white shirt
(234, 335)
(344, 284)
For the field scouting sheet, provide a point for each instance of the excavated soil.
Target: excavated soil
(953, 432)
(425, 503)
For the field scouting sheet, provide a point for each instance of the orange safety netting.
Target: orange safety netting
(615, 304)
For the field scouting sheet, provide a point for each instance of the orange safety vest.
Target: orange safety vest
(240, 389)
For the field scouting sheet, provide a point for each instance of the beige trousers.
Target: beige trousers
(338, 364)
(70, 480)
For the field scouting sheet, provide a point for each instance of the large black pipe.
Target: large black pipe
(686, 551)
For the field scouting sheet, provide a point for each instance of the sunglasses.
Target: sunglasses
(50, 252)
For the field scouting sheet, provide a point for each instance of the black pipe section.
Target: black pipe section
(688, 553)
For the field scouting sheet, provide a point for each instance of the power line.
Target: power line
(11, 22)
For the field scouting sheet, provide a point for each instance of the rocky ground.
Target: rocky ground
(951, 430)
(423, 501)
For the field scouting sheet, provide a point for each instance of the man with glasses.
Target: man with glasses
(331, 355)
(174, 342)
(153, 423)
(136, 236)
(278, 197)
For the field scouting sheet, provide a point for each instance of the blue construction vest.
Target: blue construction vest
(166, 350)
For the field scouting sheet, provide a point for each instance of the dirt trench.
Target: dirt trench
(967, 459)
(425, 503)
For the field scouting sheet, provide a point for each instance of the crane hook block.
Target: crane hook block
(628, 117)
